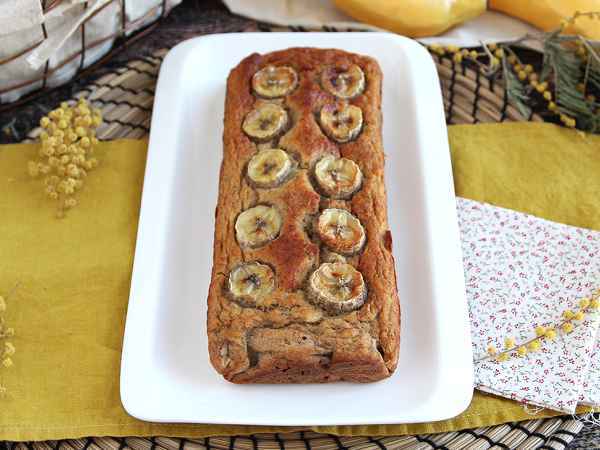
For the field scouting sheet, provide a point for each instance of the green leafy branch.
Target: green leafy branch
(567, 83)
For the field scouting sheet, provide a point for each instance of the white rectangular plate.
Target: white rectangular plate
(166, 375)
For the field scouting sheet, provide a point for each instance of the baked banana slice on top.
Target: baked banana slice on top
(257, 226)
(269, 168)
(251, 282)
(340, 231)
(265, 122)
(337, 287)
(345, 83)
(338, 178)
(341, 121)
(274, 81)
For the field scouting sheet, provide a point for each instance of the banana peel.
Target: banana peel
(419, 18)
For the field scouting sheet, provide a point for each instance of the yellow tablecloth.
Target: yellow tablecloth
(74, 275)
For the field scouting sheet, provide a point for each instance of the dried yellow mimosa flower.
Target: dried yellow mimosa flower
(68, 140)
(534, 346)
(567, 327)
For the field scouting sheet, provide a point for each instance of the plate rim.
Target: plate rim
(176, 56)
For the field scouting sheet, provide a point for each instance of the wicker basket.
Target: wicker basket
(102, 24)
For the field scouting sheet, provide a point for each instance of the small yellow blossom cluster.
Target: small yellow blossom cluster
(526, 73)
(68, 142)
(582, 52)
(570, 317)
(7, 349)
(457, 54)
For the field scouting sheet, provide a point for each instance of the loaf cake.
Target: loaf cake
(303, 284)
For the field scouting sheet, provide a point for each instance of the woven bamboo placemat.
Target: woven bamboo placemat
(126, 94)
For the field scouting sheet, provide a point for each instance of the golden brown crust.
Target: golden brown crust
(289, 339)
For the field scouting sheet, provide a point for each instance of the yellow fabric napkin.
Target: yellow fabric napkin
(74, 275)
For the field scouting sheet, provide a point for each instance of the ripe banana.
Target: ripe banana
(548, 14)
(257, 226)
(265, 122)
(337, 287)
(415, 18)
(343, 82)
(340, 121)
(269, 168)
(340, 231)
(273, 82)
(250, 282)
(338, 178)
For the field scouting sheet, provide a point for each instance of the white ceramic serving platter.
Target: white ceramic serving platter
(166, 375)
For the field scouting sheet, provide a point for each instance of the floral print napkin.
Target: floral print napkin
(591, 386)
(524, 275)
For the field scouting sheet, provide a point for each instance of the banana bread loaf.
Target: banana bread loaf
(303, 283)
